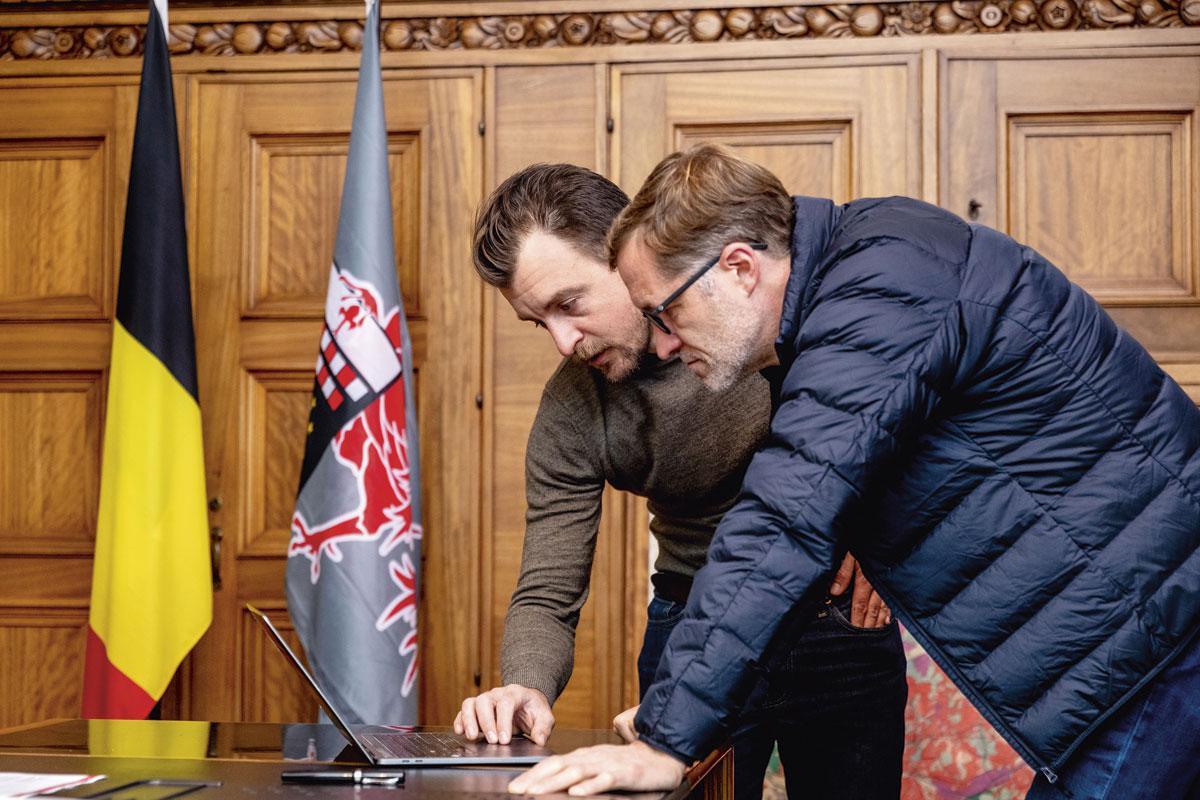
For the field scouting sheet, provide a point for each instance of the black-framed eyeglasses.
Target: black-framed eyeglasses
(652, 314)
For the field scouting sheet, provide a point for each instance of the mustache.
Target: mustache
(586, 351)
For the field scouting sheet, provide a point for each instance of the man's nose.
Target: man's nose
(566, 337)
(665, 344)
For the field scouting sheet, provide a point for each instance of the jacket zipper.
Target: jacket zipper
(947, 666)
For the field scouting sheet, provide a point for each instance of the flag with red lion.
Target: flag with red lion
(355, 545)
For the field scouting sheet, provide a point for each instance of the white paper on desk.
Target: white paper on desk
(26, 784)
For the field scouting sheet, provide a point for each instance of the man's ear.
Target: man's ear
(744, 265)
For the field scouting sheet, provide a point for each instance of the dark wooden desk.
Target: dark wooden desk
(246, 759)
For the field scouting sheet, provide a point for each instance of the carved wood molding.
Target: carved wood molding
(593, 29)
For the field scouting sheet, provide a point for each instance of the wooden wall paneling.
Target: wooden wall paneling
(41, 581)
(64, 157)
(604, 123)
(71, 346)
(61, 236)
(891, 97)
(482, 653)
(967, 164)
(270, 151)
(844, 130)
(637, 568)
(839, 128)
(1122, 137)
(42, 677)
(267, 343)
(1171, 333)
(815, 157)
(636, 562)
(295, 227)
(447, 389)
(64, 162)
(1121, 167)
(277, 411)
(1095, 166)
(1187, 375)
(51, 499)
(68, 123)
(217, 152)
(612, 667)
(272, 691)
(1093, 159)
(521, 360)
(504, 32)
(932, 68)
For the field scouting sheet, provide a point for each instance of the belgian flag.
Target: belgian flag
(151, 581)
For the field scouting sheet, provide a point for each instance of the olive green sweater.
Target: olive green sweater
(660, 434)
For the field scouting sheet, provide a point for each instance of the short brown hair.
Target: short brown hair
(570, 202)
(697, 201)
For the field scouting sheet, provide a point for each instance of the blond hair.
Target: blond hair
(698, 200)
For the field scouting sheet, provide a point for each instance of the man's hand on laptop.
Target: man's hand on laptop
(492, 715)
(636, 767)
(867, 609)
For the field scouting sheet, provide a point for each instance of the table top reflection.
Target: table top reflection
(239, 758)
(256, 741)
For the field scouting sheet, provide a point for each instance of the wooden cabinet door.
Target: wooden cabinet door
(64, 168)
(519, 360)
(1095, 163)
(268, 154)
(839, 129)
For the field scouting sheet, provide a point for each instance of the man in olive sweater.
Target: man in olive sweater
(833, 698)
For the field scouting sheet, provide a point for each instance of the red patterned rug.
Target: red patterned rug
(950, 752)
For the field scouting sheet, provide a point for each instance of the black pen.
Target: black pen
(358, 777)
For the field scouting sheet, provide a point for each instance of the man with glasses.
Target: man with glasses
(615, 413)
(1016, 475)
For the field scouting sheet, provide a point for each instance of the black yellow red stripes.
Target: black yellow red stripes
(151, 591)
(154, 249)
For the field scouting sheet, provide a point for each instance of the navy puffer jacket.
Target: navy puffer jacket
(1018, 478)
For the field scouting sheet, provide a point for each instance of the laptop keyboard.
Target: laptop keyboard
(416, 745)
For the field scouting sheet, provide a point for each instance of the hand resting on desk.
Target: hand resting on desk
(634, 767)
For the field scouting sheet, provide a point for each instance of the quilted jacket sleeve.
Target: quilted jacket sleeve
(873, 341)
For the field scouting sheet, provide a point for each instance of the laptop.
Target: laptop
(383, 746)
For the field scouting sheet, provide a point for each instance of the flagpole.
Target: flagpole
(162, 14)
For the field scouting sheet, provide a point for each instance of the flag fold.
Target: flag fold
(354, 552)
(151, 581)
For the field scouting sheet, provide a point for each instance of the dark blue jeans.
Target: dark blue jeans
(833, 700)
(1148, 750)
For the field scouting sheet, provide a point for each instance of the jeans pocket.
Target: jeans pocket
(842, 617)
(663, 613)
